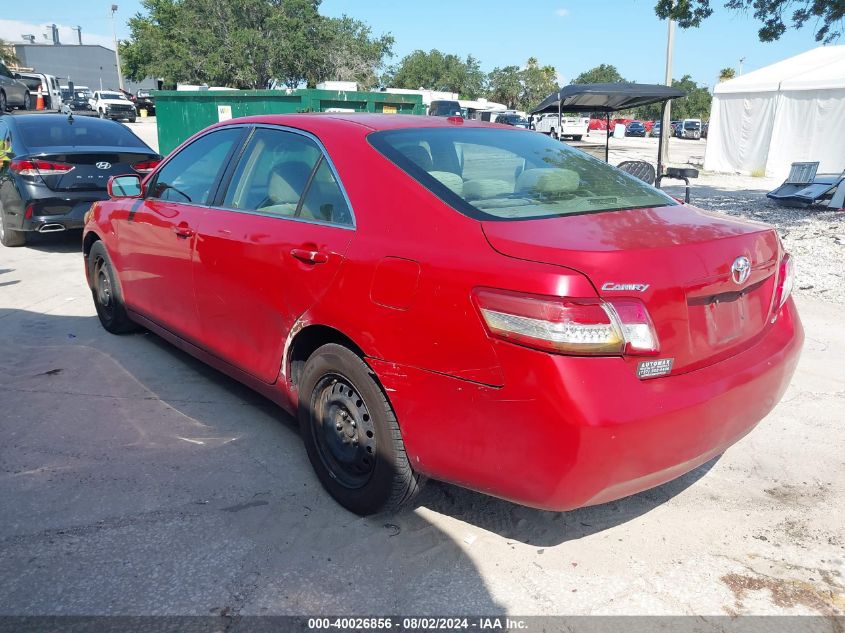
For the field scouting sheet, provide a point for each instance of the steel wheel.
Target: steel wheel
(103, 288)
(343, 431)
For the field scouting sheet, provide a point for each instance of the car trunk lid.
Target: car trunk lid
(92, 166)
(676, 259)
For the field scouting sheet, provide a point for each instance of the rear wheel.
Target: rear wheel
(106, 292)
(132, 119)
(8, 237)
(577, 137)
(351, 434)
(27, 102)
(3, 104)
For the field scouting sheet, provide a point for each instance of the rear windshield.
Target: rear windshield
(57, 131)
(498, 174)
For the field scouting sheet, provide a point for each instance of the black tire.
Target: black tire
(101, 114)
(27, 102)
(351, 434)
(3, 103)
(577, 137)
(106, 292)
(8, 237)
(132, 119)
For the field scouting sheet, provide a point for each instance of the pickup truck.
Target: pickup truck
(113, 105)
(574, 127)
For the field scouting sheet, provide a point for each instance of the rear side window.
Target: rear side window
(496, 174)
(190, 175)
(57, 131)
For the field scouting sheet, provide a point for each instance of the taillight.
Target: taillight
(145, 166)
(786, 279)
(39, 168)
(584, 327)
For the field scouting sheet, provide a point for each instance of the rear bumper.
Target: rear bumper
(62, 213)
(568, 432)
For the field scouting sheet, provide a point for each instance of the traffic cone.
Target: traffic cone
(39, 100)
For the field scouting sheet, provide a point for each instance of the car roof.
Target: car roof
(370, 121)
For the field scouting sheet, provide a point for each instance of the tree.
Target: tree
(7, 53)
(696, 105)
(435, 70)
(601, 74)
(247, 43)
(538, 82)
(504, 85)
(827, 15)
(726, 74)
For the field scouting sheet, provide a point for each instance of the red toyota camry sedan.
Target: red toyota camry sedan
(434, 297)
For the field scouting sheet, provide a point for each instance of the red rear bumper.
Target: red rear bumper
(567, 432)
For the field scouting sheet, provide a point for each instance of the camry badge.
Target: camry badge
(740, 270)
(612, 286)
(103, 165)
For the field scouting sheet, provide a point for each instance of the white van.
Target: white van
(45, 85)
(689, 128)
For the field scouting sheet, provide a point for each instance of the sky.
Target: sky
(571, 36)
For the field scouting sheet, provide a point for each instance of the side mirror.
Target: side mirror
(124, 187)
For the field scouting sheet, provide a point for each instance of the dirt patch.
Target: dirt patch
(796, 495)
(789, 593)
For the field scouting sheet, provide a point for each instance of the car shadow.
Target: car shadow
(63, 242)
(544, 528)
(127, 459)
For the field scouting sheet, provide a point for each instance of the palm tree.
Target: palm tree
(726, 74)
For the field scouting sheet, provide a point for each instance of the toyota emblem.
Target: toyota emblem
(740, 270)
(104, 165)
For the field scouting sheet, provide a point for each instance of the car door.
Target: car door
(156, 237)
(270, 249)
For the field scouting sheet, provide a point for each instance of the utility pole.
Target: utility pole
(116, 51)
(665, 124)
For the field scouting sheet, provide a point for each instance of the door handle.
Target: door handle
(183, 230)
(309, 256)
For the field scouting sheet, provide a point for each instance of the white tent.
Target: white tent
(791, 111)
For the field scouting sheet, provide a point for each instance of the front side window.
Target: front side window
(190, 175)
(284, 174)
(496, 174)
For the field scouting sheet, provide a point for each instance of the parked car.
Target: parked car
(57, 166)
(572, 126)
(77, 99)
(535, 324)
(516, 120)
(444, 108)
(145, 100)
(635, 128)
(655, 129)
(689, 128)
(113, 105)
(45, 85)
(13, 93)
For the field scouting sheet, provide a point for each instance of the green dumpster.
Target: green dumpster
(180, 113)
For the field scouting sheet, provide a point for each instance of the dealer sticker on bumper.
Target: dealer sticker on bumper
(654, 368)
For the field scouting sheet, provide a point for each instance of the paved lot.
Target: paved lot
(135, 480)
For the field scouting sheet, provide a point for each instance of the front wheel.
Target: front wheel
(131, 119)
(351, 434)
(27, 102)
(101, 114)
(577, 137)
(106, 292)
